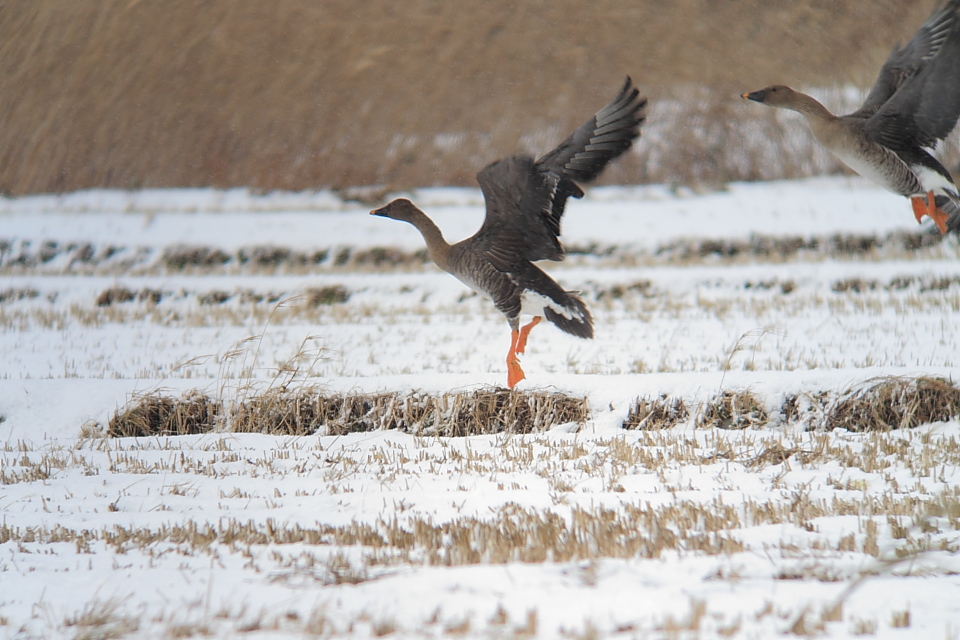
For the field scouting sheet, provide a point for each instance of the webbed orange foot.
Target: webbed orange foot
(929, 208)
(940, 217)
(524, 332)
(919, 208)
(514, 372)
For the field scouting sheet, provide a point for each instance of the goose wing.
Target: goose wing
(525, 198)
(904, 61)
(916, 99)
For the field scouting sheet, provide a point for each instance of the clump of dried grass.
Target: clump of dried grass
(114, 295)
(617, 291)
(379, 257)
(733, 410)
(783, 248)
(805, 407)
(119, 294)
(102, 620)
(179, 258)
(153, 414)
(856, 285)
(499, 410)
(13, 295)
(308, 410)
(214, 298)
(323, 296)
(656, 413)
(895, 403)
(304, 411)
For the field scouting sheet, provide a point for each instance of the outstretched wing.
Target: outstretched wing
(585, 153)
(905, 61)
(916, 100)
(526, 199)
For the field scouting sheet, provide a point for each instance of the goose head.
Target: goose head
(399, 209)
(776, 95)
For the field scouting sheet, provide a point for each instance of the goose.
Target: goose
(525, 200)
(914, 104)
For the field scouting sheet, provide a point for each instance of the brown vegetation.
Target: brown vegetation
(656, 413)
(733, 410)
(154, 414)
(879, 405)
(896, 403)
(305, 411)
(31, 258)
(295, 94)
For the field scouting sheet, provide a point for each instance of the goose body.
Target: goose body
(525, 200)
(914, 104)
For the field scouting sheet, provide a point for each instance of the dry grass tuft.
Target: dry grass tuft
(114, 295)
(379, 257)
(101, 620)
(302, 412)
(733, 410)
(153, 414)
(325, 296)
(273, 258)
(656, 413)
(895, 403)
(499, 410)
(783, 248)
(119, 294)
(179, 258)
(305, 411)
(13, 295)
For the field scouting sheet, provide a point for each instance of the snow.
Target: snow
(225, 534)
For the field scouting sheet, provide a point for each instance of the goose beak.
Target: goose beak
(756, 96)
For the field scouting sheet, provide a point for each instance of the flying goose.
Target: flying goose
(525, 200)
(914, 103)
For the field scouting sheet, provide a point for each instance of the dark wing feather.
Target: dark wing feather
(512, 231)
(905, 61)
(526, 199)
(925, 105)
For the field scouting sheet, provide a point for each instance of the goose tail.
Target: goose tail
(571, 316)
(951, 207)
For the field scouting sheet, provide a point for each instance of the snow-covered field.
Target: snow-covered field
(795, 292)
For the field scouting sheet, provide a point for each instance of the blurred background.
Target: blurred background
(298, 94)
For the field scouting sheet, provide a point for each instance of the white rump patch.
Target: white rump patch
(933, 181)
(533, 304)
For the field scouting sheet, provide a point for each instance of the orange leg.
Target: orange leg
(929, 208)
(919, 208)
(514, 372)
(524, 332)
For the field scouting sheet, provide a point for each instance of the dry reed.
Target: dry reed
(295, 94)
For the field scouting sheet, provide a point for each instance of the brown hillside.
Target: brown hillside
(291, 94)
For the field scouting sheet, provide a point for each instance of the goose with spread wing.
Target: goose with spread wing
(525, 200)
(914, 104)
